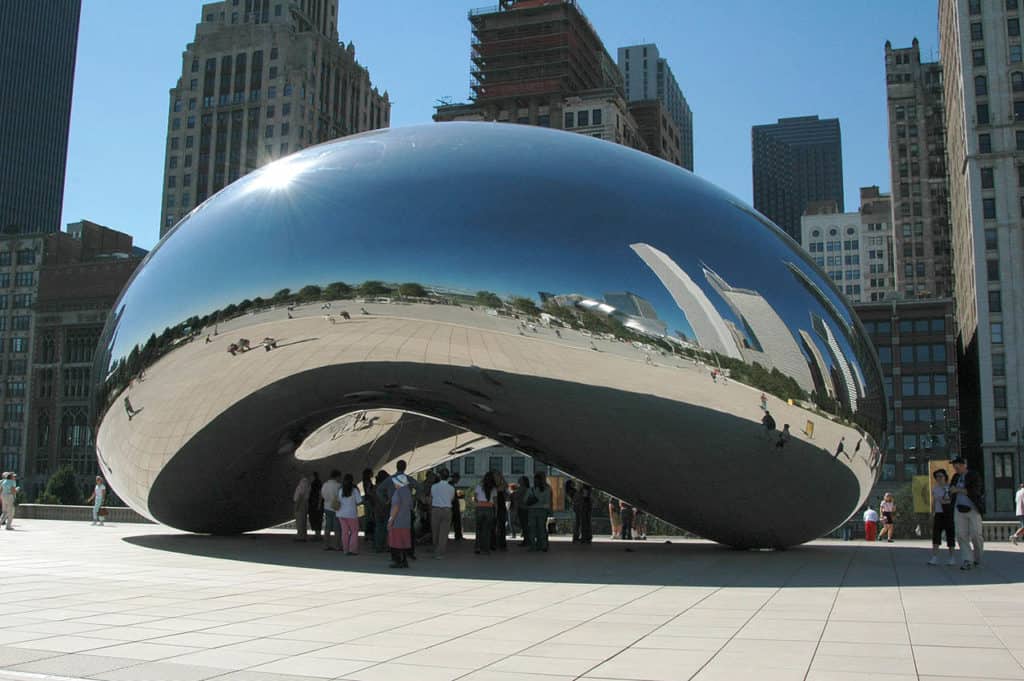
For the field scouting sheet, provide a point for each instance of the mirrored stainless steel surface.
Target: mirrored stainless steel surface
(420, 292)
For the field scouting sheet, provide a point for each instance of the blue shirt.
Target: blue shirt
(9, 487)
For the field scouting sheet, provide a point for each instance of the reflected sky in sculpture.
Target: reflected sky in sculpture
(468, 207)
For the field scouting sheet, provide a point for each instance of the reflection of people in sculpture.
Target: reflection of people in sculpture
(208, 339)
(269, 343)
(129, 409)
(764, 402)
(769, 424)
(841, 448)
(363, 310)
(344, 315)
(784, 437)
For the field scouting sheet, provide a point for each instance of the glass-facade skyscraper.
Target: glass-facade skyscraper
(37, 70)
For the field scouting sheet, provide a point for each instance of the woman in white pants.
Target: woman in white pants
(99, 494)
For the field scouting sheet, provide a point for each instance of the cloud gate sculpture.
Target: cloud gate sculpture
(422, 292)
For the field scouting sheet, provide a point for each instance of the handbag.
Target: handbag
(103, 512)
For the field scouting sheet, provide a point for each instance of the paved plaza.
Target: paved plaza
(145, 603)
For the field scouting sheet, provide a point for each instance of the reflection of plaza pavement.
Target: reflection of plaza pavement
(195, 383)
(141, 603)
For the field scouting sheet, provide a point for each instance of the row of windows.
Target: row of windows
(833, 231)
(24, 256)
(583, 118)
(935, 325)
(17, 301)
(517, 465)
(931, 353)
(20, 279)
(926, 415)
(1012, 29)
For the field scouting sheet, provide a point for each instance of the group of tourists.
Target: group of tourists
(957, 506)
(399, 512)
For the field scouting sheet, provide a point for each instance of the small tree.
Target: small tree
(309, 292)
(488, 299)
(62, 488)
(412, 290)
(282, 295)
(337, 289)
(526, 306)
(373, 288)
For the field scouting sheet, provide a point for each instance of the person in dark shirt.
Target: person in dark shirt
(316, 506)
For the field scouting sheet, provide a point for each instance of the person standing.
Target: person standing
(887, 509)
(349, 499)
(301, 500)
(441, 495)
(570, 499)
(485, 495)
(613, 516)
(456, 508)
(870, 524)
(316, 506)
(519, 510)
(499, 540)
(381, 510)
(768, 421)
(1018, 502)
(967, 489)
(329, 493)
(400, 520)
(942, 518)
(99, 495)
(538, 501)
(626, 518)
(640, 524)
(8, 493)
(369, 503)
(583, 506)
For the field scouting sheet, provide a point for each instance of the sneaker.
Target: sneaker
(977, 565)
(934, 560)
(951, 562)
(966, 565)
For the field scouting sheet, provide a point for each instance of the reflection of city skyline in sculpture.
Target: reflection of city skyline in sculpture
(823, 383)
(848, 392)
(710, 329)
(778, 349)
(349, 375)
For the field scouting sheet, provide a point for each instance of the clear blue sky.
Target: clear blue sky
(739, 63)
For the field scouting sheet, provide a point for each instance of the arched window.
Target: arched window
(980, 86)
(74, 427)
(1017, 81)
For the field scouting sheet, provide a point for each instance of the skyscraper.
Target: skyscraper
(260, 80)
(647, 76)
(920, 187)
(983, 77)
(796, 161)
(37, 69)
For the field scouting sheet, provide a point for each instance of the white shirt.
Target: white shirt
(99, 492)
(870, 516)
(349, 505)
(329, 491)
(441, 494)
(1019, 499)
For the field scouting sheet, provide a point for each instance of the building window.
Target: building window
(1018, 110)
(988, 178)
(907, 386)
(985, 142)
(976, 32)
(974, 7)
(582, 118)
(24, 278)
(978, 56)
(992, 270)
(999, 396)
(1011, 5)
(980, 86)
(996, 332)
(469, 465)
(988, 208)
(596, 116)
(518, 464)
(1016, 54)
(995, 301)
(21, 300)
(1002, 431)
(570, 119)
(982, 111)
(998, 365)
(1013, 27)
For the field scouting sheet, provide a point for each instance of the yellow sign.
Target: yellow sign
(809, 429)
(922, 491)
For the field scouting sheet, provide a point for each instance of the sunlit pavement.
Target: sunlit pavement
(145, 603)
